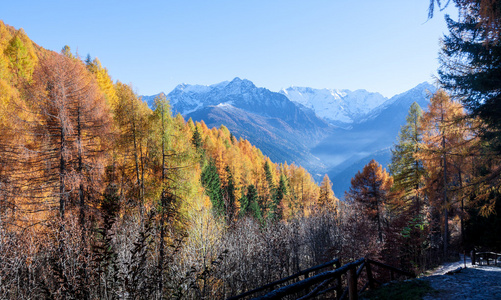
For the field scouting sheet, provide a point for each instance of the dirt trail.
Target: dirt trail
(472, 282)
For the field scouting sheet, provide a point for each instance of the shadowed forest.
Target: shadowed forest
(103, 198)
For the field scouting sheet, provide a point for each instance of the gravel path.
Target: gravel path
(474, 282)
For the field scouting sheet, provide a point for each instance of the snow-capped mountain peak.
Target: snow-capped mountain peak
(333, 105)
(339, 107)
(239, 93)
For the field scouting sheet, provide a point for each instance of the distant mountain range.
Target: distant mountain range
(269, 120)
(338, 107)
(324, 130)
(347, 151)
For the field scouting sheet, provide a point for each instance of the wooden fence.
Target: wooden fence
(358, 276)
(486, 258)
(305, 273)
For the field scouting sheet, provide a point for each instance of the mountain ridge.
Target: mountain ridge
(298, 130)
(338, 107)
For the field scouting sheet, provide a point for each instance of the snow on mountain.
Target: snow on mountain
(292, 125)
(346, 151)
(187, 98)
(278, 126)
(242, 94)
(336, 106)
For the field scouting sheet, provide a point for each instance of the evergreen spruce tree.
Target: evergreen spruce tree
(252, 200)
(408, 171)
(271, 201)
(267, 173)
(405, 168)
(229, 193)
(249, 203)
(196, 139)
(279, 195)
(244, 204)
(471, 67)
(212, 183)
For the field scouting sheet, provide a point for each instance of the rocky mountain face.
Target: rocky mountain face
(269, 120)
(324, 130)
(242, 94)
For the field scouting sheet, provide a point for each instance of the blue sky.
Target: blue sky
(384, 46)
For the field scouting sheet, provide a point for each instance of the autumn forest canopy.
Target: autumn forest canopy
(102, 197)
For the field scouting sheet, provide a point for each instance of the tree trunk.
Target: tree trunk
(62, 170)
(163, 203)
(80, 172)
(446, 204)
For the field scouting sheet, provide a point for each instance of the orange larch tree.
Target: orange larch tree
(69, 125)
(443, 153)
(371, 190)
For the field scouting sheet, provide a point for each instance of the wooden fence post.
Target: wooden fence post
(339, 288)
(369, 274)
(352, 284)
(307, 290)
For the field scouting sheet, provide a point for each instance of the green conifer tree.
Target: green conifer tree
(212, 183)
(406, 169)
(471, 66)
(196, 139)
(244, 204)
(280, 193)
(267, 201)
(229, 193)
(252, 200)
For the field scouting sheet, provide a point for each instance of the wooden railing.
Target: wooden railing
(332, 282)
(306, 273)
(485, 257)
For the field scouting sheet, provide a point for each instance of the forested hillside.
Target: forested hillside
(97, 188)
